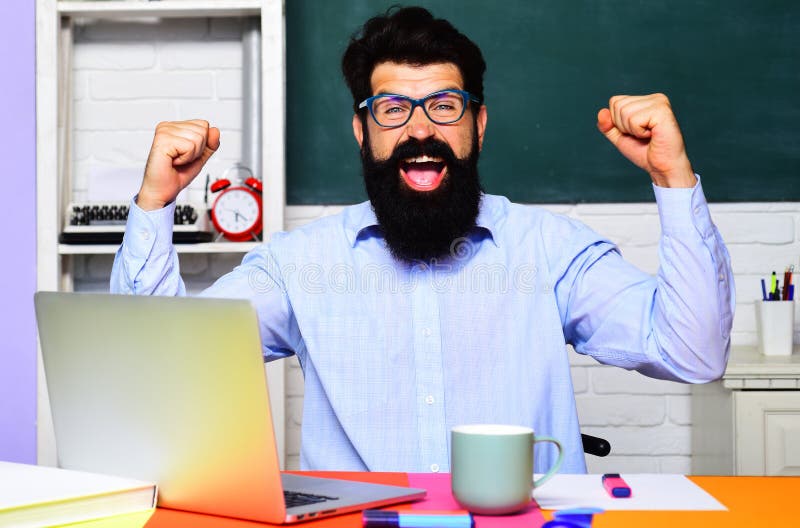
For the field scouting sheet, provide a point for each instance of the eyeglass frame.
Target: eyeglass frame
(466, 96)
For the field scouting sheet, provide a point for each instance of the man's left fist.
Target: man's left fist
(644, 130)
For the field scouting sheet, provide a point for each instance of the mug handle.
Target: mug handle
(553, 470)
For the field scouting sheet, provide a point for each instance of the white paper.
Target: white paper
(649, 492)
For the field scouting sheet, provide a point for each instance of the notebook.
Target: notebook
(34, 496)
(173, 390)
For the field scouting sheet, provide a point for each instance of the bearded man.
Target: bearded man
(435, 304)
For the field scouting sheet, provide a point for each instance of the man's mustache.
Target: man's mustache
(412, 148)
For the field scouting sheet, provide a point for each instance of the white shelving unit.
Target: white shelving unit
(208, 247)
(748, 423)
(54, 41)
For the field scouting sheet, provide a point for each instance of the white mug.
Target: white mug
(492, 467)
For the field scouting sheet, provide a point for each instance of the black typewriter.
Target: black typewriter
(104, 223)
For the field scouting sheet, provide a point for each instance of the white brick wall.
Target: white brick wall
(129, 76)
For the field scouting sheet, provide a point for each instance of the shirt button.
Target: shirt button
(427, 332)
(721, 276)
(429, 399)
(145, 234)
(697, 210)
(434, 468)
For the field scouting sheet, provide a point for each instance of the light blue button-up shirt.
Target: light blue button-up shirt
(394, 355)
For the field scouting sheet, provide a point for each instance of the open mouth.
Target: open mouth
(423, 173)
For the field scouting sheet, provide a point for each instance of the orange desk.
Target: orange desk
(752, 502)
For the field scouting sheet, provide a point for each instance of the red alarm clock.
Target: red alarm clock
(236, 212)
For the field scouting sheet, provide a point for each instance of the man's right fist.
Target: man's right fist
(179, 151)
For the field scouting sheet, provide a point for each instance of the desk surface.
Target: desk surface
(751, 502)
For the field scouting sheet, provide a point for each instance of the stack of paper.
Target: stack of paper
(45, 496)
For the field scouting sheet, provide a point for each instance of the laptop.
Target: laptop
(173, 390)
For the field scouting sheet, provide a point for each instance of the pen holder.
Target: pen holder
(775, 321)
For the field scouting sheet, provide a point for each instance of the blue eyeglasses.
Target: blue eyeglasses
(442, 107)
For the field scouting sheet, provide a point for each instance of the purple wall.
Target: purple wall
(18, 238)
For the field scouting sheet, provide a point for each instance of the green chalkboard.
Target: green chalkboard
(731, 69)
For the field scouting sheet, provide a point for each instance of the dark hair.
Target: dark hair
(409, 35)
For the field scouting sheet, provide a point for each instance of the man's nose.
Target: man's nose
(419, 126)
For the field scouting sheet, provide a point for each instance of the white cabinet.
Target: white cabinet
(748, 423)
(768, 432)
(55, 25)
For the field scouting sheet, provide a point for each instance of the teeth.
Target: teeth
(423, 159)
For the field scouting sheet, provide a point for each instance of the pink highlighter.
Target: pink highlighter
(615, 486)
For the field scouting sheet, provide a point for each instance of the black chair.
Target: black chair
(595, 445)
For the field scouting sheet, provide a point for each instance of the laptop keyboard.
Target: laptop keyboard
(295, 498)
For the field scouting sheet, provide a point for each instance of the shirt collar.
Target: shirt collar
(361, 223)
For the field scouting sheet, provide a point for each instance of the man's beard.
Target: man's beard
(423, 225)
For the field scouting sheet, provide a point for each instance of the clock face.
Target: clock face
(237, 211)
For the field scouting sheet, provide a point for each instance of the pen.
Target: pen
(785, 293)
(772, 285)
(396, 519)
(763, 289)
(615, 486)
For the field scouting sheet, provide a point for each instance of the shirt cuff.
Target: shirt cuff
(148, 232)
(683, 209)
